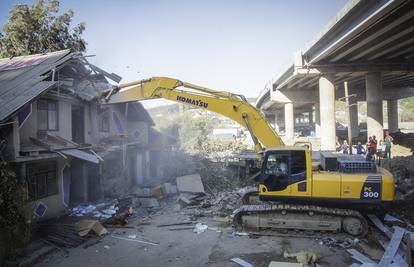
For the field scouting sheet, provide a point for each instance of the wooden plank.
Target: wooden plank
(40, 143)
(398, 259)
(385, 229)
(407, 240)
(359, 256)
(392, 247)
(56, 140)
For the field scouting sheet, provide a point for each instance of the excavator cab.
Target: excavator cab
(284, 171)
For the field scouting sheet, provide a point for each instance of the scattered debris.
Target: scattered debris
(284, 264)
(200, 228)
(60, 233)
(359, 256)
(135, 240)
(177, 223)
(121, 218)
(392, 247)
(83, 227)
(304, 257)
(390, 218)
(345, 243)
(241, 262)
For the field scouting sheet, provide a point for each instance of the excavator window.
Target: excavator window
(283, 168)
(276, 171)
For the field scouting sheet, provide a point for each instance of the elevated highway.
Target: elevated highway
(369, 46)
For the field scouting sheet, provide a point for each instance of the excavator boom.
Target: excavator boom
(232, 106)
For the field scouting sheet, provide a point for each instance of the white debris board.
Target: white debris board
(190, 183)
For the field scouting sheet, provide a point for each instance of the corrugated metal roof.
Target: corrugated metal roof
(81, 155)
(22, 79)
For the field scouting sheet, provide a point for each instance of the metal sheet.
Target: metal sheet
(76, 153)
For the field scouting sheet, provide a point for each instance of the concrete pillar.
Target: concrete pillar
(310, 117)
(327, 113)
(353, 115)
(373, 86)
(317, 120)
(289, 123)
(276, 125)
(392, 109)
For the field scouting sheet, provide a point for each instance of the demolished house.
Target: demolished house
(65, 146)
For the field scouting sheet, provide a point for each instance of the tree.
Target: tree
(39, 29)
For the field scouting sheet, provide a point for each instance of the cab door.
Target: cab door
(274, 180)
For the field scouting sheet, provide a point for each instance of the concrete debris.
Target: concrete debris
(190, 183)
(148, 202)
(200, 228)
(241, 262)
(304, 257)
(85, 226)
(158, 192)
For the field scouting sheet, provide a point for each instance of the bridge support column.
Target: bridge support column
(327, 113)
(392, 109)
(373, 86)
(317, 120)
(276, 125)
(289, 123)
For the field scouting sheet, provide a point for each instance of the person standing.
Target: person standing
(345, 147)
(388, 143)
(360, 149)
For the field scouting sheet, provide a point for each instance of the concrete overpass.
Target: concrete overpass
(369, 45)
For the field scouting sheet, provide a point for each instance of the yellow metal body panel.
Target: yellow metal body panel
(326, 185)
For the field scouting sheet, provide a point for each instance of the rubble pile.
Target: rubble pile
(223, 204)
(402, 168)
(404, 139)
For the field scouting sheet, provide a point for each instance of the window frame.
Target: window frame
(104, 112)
(41, 174)
(47, 109)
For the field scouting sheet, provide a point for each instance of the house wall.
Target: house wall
(54, 203)
(30, 128)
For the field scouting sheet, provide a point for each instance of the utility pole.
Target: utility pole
(348, 115)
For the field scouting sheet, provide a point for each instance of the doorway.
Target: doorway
(78, 124)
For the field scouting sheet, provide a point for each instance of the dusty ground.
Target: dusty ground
(185, 248)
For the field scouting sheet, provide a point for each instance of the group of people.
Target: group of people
(372, 149)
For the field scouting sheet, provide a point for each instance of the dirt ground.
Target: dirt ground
(186, 248)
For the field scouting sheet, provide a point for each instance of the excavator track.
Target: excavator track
(300, 217)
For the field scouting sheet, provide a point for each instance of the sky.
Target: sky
(236, 46)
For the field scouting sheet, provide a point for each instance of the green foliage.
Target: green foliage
(407, 106)
(39, 29)
(191, 131)
(194, 131)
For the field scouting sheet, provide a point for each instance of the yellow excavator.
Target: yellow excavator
(295, 192)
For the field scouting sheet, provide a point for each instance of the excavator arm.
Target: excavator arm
(232, 106)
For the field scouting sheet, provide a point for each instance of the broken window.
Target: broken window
(103, 122)
(41, 180)
(47, 114)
